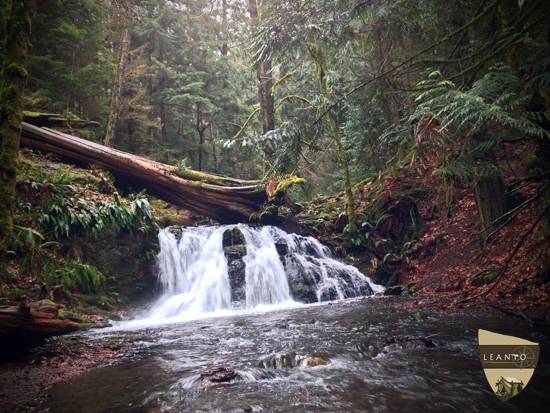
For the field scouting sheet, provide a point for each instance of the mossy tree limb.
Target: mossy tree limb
(207, 178)
(14, 78)
(320, 66)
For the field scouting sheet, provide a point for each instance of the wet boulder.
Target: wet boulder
(233, 236)
(280, 361)
(237, 279)
(398, 342)
(301, 291)
(312, 361)
(282, 248)
(219, 375)
(177, 230)
(236, 270)
(302, 279)
(291, 360)
(234, 252)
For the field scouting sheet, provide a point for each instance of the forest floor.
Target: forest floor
(25, 381)
(449, 266)
(449, 255)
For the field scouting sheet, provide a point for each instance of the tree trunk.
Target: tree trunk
(27, 325)
(265, 84)
(14, 77)
(201, 129)
(490, 199)
(163, 122)
(214, 156)
(225, 47)
(116, 95)
(208, 195)
(489, 190)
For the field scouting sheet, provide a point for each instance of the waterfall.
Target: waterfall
(311, 265)
(279, 268)
(193, 272)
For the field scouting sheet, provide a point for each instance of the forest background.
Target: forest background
(441, 102)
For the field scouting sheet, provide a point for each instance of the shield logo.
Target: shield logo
(508, 362)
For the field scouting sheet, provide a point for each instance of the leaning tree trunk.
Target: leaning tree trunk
(224, 199)
(14, 77)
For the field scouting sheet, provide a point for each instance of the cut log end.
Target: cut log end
(28, 325)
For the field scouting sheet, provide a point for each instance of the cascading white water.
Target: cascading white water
(194, 271)
(309, 262)
(266, 281)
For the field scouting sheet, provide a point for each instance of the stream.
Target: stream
(351, 354)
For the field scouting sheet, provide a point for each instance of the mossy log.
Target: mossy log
(28, 324)
(53, 120)
(215, 197)
(210, 178)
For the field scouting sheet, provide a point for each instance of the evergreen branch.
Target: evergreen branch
(511, 40)
(457, 44)
(410, 59)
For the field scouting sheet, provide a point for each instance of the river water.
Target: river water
(348, 355)
(448, 378)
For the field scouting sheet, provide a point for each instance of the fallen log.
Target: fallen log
(29, 324)
(225, 200)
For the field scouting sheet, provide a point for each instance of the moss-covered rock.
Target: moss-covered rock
(127, 260)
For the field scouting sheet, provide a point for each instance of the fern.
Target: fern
(479, 118)
(494, 102)
(72, 276)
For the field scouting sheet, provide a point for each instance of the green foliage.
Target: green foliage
(73, 275)
(65, 203)
(56, 204)
(474, 121)
(495, 102)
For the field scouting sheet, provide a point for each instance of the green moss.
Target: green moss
(332, 204)
(115, 344)
(67, 315)
(490, 277)
(102, 302)
(285, 184)
(190, 174)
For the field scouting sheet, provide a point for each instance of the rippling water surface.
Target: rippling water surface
(445, 378)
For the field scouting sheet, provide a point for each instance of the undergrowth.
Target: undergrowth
(56, 203)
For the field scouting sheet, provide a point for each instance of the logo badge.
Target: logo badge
(508, 362)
